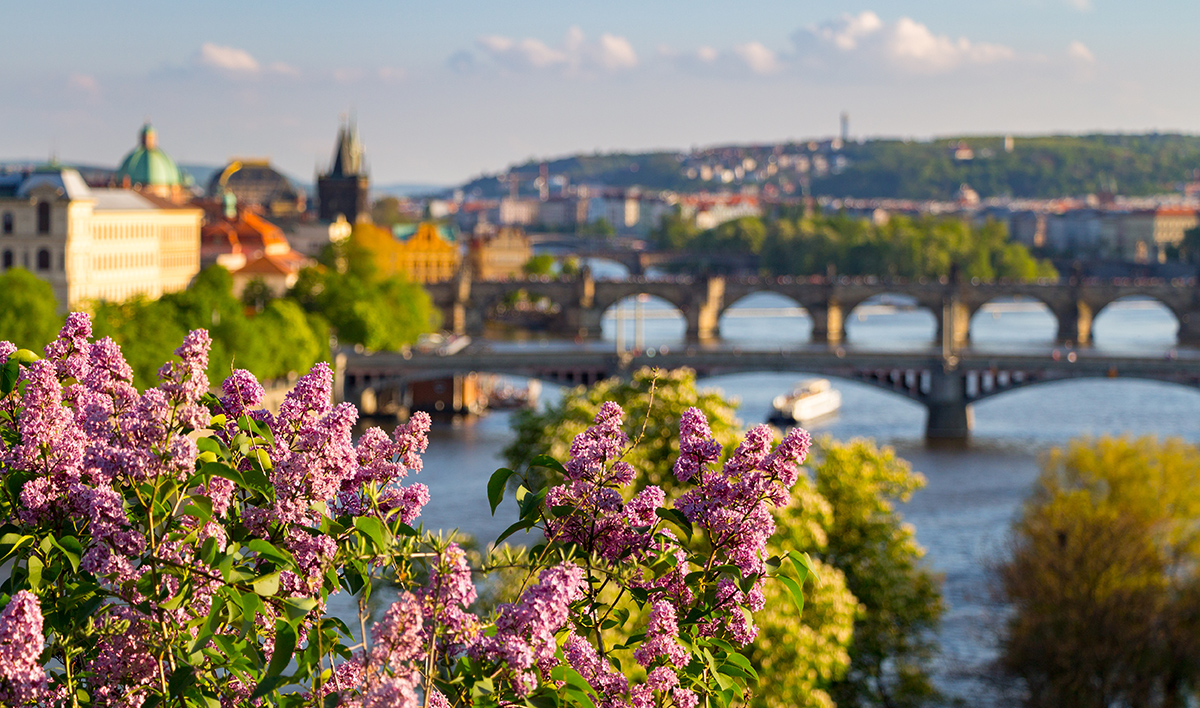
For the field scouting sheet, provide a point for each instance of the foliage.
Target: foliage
(601, 228)
(901, 599)
(541, 264)
(1103, 577)
(29, 314)
(273, 342)
(173, 547)
(359, 305)
(904, 247)
(874, 585)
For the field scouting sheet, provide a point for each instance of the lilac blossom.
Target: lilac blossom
(446, 597)
(22, 679)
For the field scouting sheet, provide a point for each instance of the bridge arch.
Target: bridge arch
(901, 320)
(643, 319)
(1013, 320)
(1135, 322)
(742, 319)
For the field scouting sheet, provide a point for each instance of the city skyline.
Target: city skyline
(448, 91)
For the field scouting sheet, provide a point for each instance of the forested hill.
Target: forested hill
(1038, 167)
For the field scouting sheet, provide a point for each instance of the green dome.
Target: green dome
(148, 165)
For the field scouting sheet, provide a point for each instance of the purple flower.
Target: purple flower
(22, 679)
(242, 393)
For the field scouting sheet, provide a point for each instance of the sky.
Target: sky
(445, 90)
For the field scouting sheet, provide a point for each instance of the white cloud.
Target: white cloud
(905, 45)
(228, 59)
(1081, 5)
(616, 52)
(85, 83)
(756, 56)
(1079, 52)
(707, 54)
(609, 53)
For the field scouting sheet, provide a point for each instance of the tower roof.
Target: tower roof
(148, 165)
(348, 154)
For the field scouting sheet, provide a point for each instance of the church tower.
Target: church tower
(343, 190)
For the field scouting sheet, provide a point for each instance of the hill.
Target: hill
(1036, 167)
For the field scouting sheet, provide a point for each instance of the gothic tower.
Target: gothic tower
(343, 190)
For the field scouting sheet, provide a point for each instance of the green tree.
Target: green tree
(29, 318)
(894, 639)
(1103, 578)
(541, 264)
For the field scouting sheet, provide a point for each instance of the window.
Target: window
(8, 222)
(8, 258)
(43, 217)
(43, 259)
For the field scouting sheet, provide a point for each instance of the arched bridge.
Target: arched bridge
(583, 301)
(945, 385)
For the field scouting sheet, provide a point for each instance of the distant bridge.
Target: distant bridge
(946, 385)
(467, 304)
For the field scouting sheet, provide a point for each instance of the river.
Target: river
(962, 515)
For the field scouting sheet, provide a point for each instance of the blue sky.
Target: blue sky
(447, 89)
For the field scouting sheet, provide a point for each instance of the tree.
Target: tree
(29, 317)
(843, 515)
(541, 264)
(1103, 577)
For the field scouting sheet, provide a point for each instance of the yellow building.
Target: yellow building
(425, 252)
(498, 253)
(95, 244)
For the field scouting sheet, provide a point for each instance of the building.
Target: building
(151, 171)
(342, 191)
(425, 252)
(498, 253)
(255, 183)
(93, 243)
(249, 247)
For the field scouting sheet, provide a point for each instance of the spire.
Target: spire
(348, 156)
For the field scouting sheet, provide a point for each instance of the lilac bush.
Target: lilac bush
(178, 546)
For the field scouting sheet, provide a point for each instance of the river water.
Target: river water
(963, 513)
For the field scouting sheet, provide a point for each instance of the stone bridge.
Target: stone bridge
(467, 304)
(946, 385)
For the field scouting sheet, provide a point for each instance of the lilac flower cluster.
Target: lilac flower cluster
(525, 630)
(85, 439)
(22, 679)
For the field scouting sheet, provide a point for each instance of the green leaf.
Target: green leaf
(271, 552)
(796, 590)
(677, 518)
(285, 647)
(266, 585)
(520, 525)
(804, 566)
(496, 486)
(297, 607)
(35, 572)
(374, 529)
(8, 376)
(208, 444)
(549, 463)
(181, 679)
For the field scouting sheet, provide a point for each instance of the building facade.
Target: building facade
(95, 244)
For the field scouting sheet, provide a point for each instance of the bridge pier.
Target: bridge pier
(1075, 323)
(1189, 328)
(950, 416)
(954, 324)
(704, 317)
(828, 322)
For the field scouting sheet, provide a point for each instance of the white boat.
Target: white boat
(809, 400)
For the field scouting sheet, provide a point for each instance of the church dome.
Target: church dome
(149, 166)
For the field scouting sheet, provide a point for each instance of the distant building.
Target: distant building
(711, 210)
(93, 243)
(425, 252)
(343, 189)
(563, 212)
(498, 253)
(311, 237)
(249, 247)
(151, 171)
(255, 183)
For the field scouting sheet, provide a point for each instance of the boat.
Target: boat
(810, 399)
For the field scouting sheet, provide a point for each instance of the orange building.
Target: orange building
(249, 247)
(425, 252)
(498, 253)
